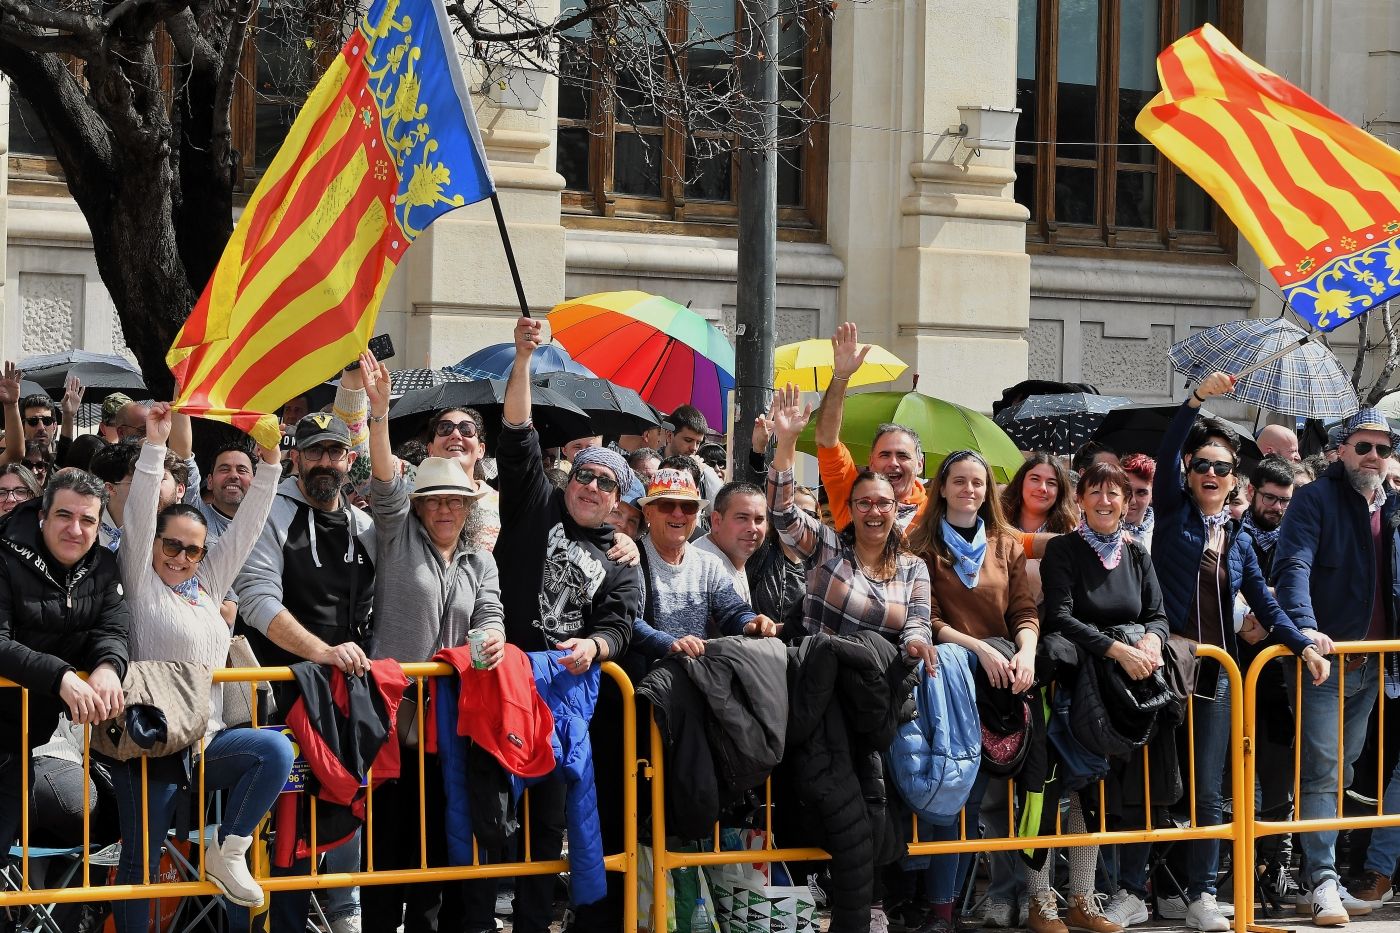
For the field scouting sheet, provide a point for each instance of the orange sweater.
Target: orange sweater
(838, 471)
(1002, 604)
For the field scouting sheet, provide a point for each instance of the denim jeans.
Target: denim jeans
(946, 872)
(251, 764)
(1318, 756)
(343, 902)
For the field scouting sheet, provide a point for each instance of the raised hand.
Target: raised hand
(847, 354)
(1215, 384)
(159, 420)
(72, 398)
(788, 415)
(762, 433)
(376, 383)
(528, 335)
(9, 384)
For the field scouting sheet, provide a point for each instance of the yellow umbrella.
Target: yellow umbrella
(807, 364)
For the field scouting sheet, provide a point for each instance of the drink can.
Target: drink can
(477, 640)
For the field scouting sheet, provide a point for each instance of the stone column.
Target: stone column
(934, 249)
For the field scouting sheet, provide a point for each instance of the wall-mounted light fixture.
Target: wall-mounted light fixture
(981, 127)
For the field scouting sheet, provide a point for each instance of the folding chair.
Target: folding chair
(39, 917)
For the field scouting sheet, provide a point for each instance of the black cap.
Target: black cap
(320, 426)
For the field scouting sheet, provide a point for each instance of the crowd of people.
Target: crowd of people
(1067, 601)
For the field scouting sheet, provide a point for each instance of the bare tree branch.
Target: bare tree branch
(221, 132)
(1381, 385)
(77, 24)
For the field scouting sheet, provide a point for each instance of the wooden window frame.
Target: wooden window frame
(1044, 233)
(601, 207)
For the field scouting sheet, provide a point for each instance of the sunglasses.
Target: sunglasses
(583, 476)
(672, 505)
(865, 506)
(1363, 448)
(814, 513)
(464, 428)
(1203, 466)
(173, 547)
(36, 420)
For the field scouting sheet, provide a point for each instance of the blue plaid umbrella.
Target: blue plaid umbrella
(1057, 424)
(1307, 381)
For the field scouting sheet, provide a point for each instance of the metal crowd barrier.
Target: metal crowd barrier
(624, 862)
(1245, 803)
(1233, 831)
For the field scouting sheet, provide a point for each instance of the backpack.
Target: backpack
(934, 758)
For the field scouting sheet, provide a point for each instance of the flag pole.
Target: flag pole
(510, 255)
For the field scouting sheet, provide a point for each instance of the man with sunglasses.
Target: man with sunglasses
(560, 592)
(1334, 574)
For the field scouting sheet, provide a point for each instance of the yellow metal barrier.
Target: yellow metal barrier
(624, 862)
(664, 860)
(1244, 803)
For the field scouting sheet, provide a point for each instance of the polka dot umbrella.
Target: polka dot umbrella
(669, 354)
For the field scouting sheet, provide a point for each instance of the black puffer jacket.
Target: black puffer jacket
(52, 620)
(846, 698)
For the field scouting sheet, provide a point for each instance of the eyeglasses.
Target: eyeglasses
(316, 454)
(583, 476)
(1363, 448)
(685, 506)
(1272, 499)
(451, 503)
(1203, 466)
(172, 547)
(17, 494)
(445, 428)
(36, 420)
(883, 506)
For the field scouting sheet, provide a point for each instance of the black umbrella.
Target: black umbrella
(1057, 424)
(101, 373)
(557, 419)
(1139, 429)
(613, 409)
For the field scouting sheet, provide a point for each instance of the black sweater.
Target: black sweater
(1082, 598)
(557, 582)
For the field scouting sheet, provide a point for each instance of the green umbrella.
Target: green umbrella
(942, 428)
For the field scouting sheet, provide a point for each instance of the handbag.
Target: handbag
(746, 901)
(167, 711)
(238, 708)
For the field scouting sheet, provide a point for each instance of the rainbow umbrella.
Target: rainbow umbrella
(669, 354)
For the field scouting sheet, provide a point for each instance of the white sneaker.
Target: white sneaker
(350, 923)
(1353, 905)
(998, 915)
(1204, 914)
(879, 923)
(1171, 908)
(1126, 908)
(1325, 902)
(227, 866)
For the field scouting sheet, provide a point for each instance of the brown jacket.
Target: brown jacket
(1002, 604)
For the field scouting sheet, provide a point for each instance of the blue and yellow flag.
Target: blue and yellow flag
(386, 143)
(1317, 197)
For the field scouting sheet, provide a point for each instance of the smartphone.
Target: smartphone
(380, 347)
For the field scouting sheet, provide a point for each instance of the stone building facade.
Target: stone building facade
(1078, 254)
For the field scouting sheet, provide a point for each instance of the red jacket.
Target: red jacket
(501, 711)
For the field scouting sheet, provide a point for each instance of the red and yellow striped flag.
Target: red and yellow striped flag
(386, 142)
(1317, 197)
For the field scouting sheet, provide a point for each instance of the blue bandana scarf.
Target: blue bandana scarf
(114, 536)
(189, 590)
(1265, 539)
(967, 555)
(1215, 521)
(1108, 547)
(1142, 529)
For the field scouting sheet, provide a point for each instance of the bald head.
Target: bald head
(1276, 439)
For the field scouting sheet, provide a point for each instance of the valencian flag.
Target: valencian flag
(1317, 197)
(385, 144)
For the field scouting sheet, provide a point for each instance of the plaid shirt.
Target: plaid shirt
(841, 598)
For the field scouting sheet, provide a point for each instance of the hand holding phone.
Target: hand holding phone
(381, 348)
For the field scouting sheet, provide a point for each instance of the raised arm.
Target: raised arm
(230, 552)
(14, 428)
(384, 466)
(517, 404)
(798, 530)
(847, 355)
(72, 398)
(143, 500)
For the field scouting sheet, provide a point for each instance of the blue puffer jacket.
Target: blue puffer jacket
(935, 757)
(1324, 565)
(1179, 541)
(571, 698)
